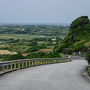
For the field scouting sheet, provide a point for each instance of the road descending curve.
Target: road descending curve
(61, 76)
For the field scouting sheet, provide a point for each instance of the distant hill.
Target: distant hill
(78, 38)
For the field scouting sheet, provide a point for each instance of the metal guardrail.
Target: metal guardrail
(9, 66)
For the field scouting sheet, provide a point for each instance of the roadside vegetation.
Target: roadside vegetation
(78, 39)
(88, 60)
(88, 57)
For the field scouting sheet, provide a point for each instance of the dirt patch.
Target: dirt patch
(3, 46)
(46, 50)
(5, 52)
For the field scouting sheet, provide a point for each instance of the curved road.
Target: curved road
(62, 76)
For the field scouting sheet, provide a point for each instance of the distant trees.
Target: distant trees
(46, 30)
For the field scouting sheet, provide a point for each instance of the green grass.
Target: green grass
(88, 70)
(50, 47)
(24, 36)
(18, 36)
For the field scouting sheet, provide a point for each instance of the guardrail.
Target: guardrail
(9, 66)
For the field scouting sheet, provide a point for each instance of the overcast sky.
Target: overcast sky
(42, 11)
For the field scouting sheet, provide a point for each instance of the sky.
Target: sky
(42, 11)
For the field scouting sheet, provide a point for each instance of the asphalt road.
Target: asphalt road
(62, 76)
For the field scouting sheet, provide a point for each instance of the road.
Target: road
(61, 76)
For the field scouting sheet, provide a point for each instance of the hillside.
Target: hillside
(78, 38)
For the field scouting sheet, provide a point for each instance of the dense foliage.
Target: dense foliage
(88, 58)
(13, 57)
(44, 55)
(78, 38)
(36, 48)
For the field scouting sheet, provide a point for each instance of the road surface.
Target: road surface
(62, 76)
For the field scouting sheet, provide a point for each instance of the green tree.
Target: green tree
(78, 47)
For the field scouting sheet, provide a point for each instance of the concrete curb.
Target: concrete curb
(84, 73)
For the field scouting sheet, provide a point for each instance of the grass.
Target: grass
(19, 47)
(88, 70)
(23, 36)
(18, 36)
(50, 47)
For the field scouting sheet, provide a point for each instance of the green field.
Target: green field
(24, 36)
(18, 36)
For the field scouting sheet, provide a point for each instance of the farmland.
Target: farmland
(30, 40)
(18, 36)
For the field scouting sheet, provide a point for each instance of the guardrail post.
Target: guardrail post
(32, 63)
(26, 64)
(18, 65)
(15, 66)
(7, 68)
(35, 63)
(22, 64)
(11, 67)
(3, 68)
(47, 61)
(41, 62)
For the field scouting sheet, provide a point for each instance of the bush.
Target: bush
(33, 49)
(78, 47)
(44, 55)
(36, 55)
(36, 48)
(88, 58)
(13, 57)
(33, 43)
(42, 46)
